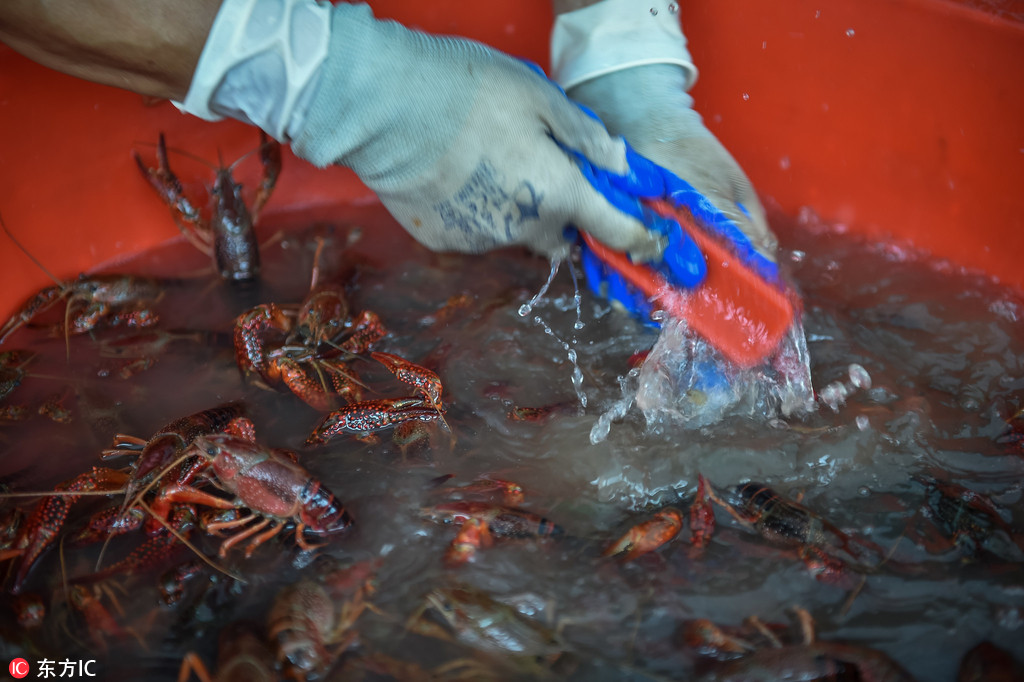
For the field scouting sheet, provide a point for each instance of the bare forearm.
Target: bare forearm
(563, 6)
(147, 46)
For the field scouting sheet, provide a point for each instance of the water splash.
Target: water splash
(577, 298)
(570, 352)
(685, 381)
(835, 394)
(526, 308)
(619, 409)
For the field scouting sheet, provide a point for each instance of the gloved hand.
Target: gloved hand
(629, 64)
(468, 148)
(649, 107)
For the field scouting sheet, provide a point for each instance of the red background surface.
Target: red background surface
(903, 119)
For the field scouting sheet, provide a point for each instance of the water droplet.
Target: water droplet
(672, 7)
(784, 163)
(576, 297)
(1010, 618)
(600, 430)
(746, 96)
(577, 373)
(864, 491)
(617, 411)
(863, 423)
(969, 403)
(849, 32)
(798, 256)
(1006, 309)
(654, 12)
(834, 395)
(859, 376)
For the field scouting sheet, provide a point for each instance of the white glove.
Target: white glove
(463, 144)
(628, 62)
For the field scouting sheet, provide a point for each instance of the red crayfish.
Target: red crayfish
(270, 490)
(270, 484)
(968, 521)
(756, 654)
(664, 525)
(312, 622)
(108, 300)
(363, 419)
(227, 236)
(480, 523)
(827, 551)
(306, 348)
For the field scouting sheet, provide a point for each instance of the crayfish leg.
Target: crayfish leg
(190, 664)
(168, 187)
(238, 537)
(270, 160)
(35, 305)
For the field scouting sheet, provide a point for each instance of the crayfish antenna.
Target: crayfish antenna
(128, 504)
(315, 273)
(61, 285)
(137, 500)
(180, 152)
(183, 540)
(343, 373)
(63, 570)
(848, 602)
(62, 493)
(67, 332)
(103, 551)
(30, 256)
(67, 595)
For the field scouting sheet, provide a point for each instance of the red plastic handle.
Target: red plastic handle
(737, 311)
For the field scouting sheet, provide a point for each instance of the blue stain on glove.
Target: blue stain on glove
(682, 262)
(682, 193)
(606, 283)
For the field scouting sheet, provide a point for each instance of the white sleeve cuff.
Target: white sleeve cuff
(617, 34)
(260, 64)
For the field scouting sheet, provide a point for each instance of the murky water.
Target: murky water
(940, 354)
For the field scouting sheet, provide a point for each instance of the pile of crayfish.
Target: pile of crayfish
(205, 494)
(308, 480)
(311, 349)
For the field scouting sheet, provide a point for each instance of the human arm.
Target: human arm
(468, 148)
(146, 46)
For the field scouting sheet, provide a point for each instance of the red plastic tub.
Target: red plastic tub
(902, 119)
